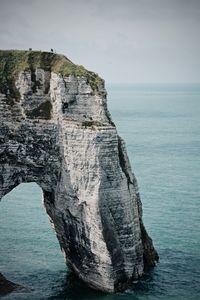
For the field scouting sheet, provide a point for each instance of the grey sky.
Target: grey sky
(128, 41)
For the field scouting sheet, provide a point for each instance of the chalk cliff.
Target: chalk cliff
(55, 130)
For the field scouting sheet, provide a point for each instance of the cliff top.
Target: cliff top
(14, 61)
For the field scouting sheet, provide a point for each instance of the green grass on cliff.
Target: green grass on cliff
(14, 61)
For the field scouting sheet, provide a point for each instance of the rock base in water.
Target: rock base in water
(7, 286)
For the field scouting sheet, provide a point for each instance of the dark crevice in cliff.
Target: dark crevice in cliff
(49, 197)
(150, 256)
(42, 111)
(122, 161)
(36, 84)
(7, 82)
(45, 64)
(114, 248)
(78, 243)
(108, 115)
(121, 280)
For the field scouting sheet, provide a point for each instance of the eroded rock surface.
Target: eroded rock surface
(55, 130)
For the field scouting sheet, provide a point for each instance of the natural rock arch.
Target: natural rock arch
(55, 130)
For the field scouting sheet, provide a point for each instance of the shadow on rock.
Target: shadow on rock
(72, 287)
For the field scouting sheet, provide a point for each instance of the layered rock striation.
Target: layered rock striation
(55, 130)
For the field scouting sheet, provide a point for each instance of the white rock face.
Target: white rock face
(59, 134)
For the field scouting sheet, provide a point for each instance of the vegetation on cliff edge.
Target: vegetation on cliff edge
(14, 61)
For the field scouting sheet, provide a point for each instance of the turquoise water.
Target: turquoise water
(161, 127)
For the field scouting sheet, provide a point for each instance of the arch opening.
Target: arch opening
(29, 252)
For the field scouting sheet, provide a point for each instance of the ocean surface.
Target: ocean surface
(161, 127)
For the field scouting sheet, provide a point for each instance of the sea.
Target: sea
(161, 127)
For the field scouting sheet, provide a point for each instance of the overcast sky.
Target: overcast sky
(128, 41)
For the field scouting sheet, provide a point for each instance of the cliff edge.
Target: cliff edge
(55, 130)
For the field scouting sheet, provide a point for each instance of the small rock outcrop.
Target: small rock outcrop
(55, 130)
(7, 286)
